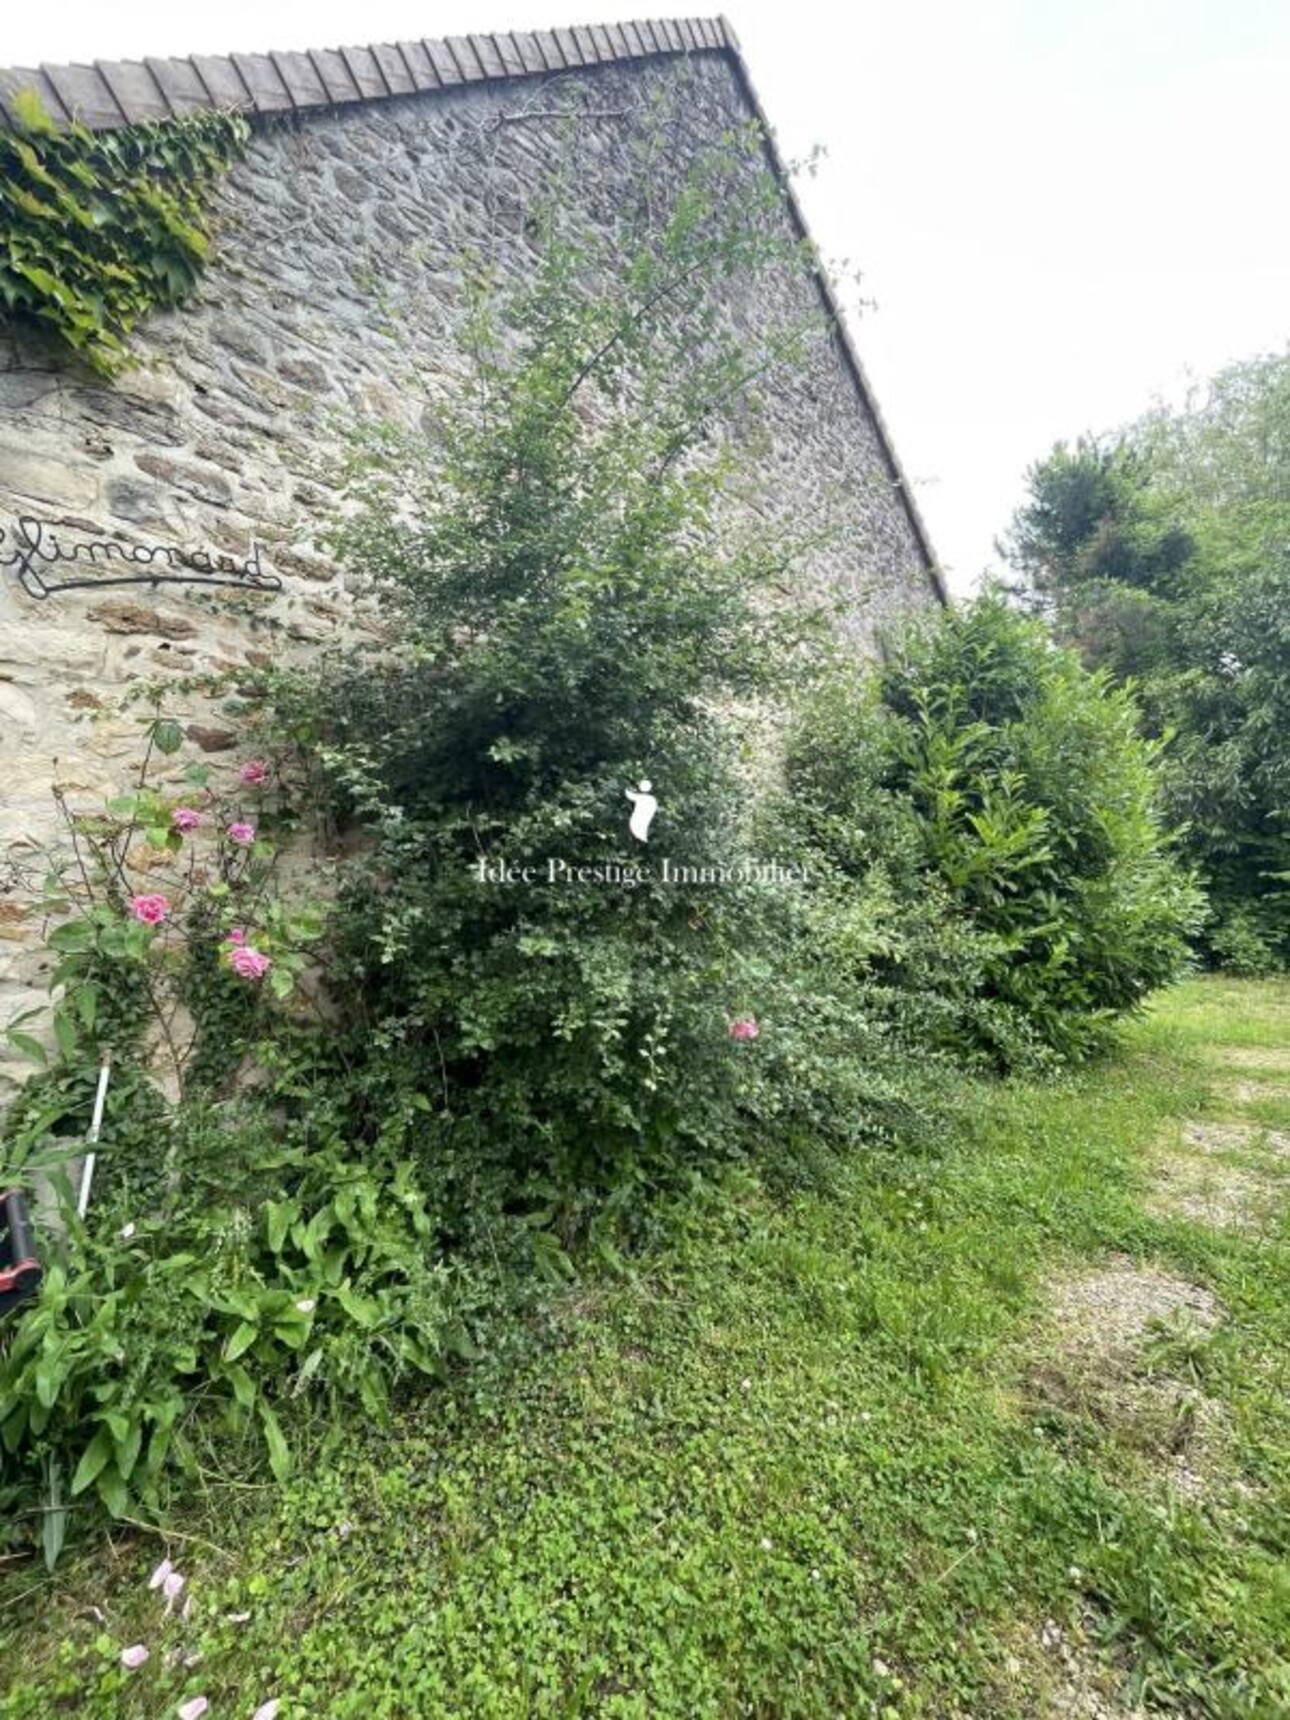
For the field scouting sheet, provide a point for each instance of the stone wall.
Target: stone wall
(334, 294)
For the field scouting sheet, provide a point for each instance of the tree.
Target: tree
(1164, 555)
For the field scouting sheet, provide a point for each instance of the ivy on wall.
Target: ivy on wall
(99, 228)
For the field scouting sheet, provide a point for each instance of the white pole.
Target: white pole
(87, 1172)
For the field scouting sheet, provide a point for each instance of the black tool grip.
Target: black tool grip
(20, 1270)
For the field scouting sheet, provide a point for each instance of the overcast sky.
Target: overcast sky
(1061, 207)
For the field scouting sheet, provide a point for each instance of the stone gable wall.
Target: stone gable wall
(333, 294)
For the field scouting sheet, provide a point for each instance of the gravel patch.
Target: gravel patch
(1110, 1308)
(1236, 1138)
(1272, 1057)
(1223, 1196)
(1064, 1678)
(1254, 1092)
(1101, 1367)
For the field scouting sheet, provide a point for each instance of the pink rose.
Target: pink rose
(255, 772)
(149, 910)
(186, 818)
(243, 833)
(237, 936)
(744, 1028)
(248, 963)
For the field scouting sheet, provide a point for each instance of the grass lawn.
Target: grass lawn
(898, 1445)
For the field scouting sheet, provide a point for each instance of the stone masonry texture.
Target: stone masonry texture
(334, 295)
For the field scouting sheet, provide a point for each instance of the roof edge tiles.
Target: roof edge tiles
(108, 95)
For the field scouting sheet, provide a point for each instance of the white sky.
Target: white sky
(1061, 207)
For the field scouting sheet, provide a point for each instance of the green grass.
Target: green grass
(796, 1467)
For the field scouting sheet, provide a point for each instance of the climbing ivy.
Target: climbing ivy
(99, 228)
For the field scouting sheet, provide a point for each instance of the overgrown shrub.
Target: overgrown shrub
(575, 600)
(997, 798)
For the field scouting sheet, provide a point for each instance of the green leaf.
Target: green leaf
(113, 1491)
(241, 1341)
(126, 1453)
(167, 736)
(279, 1216)
(65, 1033)
(48, 1379)
(53, 1529)
(243, 1385)
(75, 935)
(93, 1460)
(279, 1454)
(30, 1048)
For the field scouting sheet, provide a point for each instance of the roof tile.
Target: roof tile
(301, 78)
(120, 92)
(569, 47)
(180, 84)
(221, 77)
(263, 79)
(443, 62)
(86, 96)
(335, 76)
(134, 89)
(488, 52)
(467, 59)
(365, 70)
(394, 68)
(512, 60)
(586, 44)
(18, 78)
(420, 66)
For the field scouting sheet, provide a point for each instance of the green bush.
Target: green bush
(270, 1269)
(998, 798)
(574, 601)
(1161, 554)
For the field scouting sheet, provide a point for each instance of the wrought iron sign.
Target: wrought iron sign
(38, 555)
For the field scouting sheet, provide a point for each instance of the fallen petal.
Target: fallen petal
(134, 1657)
(159, 1576)
(194, 1708)
(267, 1710)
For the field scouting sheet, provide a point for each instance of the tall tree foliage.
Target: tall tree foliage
(1164, 554)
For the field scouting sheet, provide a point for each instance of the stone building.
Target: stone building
(332, 294)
